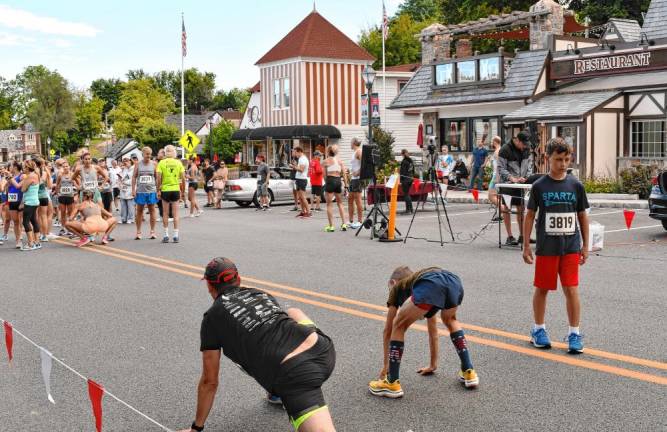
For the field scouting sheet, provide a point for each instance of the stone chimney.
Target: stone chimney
(545, 26)
(436, 43)
(463, 48)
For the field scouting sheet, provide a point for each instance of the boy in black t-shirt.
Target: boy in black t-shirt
(560, 202)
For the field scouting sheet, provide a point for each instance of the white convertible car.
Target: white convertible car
(243, 191)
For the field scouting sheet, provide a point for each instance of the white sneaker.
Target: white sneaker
(199, 213)
(51, 236)
(171, 219)
(191, 215)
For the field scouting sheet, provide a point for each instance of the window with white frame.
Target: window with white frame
(647, 139)
(276, 93)
(286, 89)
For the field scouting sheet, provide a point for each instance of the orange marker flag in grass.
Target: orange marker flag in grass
(95, 392)
(9, 339)
(629, 215)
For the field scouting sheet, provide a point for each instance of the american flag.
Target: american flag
(385, 23)
(184, 39)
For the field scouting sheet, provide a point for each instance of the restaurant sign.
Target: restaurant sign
(608, 64)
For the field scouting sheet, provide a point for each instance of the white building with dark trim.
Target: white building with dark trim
(606, 96)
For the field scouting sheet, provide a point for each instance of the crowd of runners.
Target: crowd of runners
(87, 200)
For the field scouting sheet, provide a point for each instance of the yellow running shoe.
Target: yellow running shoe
(385, 388)
(469, 378)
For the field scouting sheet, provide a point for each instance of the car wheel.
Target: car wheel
(255, 198)
(243, 203)
(664, 223)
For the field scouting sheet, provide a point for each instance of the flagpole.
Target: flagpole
(182, 84)
(385, 32)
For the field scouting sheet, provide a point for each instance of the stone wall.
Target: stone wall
(545, 26)
(463, 48)
(436, 44)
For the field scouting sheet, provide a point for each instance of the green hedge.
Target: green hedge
(602, 185)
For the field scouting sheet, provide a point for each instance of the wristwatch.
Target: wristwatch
(194, 427)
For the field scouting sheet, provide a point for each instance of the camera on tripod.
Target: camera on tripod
(431, 145)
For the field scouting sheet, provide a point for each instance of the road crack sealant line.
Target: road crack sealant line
(569, 360)
(80, 375)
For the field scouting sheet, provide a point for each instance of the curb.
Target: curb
(629, 204)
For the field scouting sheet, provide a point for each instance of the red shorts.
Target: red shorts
(549, 268)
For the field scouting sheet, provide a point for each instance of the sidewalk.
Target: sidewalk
(465, 197)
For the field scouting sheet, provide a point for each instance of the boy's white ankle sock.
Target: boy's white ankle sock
(574, 330)
(539, 326)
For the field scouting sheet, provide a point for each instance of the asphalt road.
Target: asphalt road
(128, 317)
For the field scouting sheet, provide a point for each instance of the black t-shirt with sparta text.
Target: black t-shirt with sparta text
(557, 203)
(253, 332)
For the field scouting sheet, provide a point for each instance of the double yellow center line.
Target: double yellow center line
(335, 303)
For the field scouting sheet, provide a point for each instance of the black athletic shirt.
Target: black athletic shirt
(557, 203)
(208, 173)
(253, 332)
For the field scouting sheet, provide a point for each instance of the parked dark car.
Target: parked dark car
(657, 201)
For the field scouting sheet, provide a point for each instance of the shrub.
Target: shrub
(637, 180)
(602, 185)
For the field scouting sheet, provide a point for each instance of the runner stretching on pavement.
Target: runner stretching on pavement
(398, 294)
(283, 351)
(93, 221)
(426, 292)
(560, 202)
(171, 188)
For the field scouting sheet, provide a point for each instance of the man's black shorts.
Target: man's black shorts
(171, 196)
(516, 194)
(299, 380)
(316, 190)
(301, 184)
(116, 193)
(355, 186)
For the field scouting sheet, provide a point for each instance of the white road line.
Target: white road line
(632, 229)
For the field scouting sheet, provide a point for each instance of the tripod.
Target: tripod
(437, 199)
(375, 213)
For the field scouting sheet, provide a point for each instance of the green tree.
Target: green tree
(220, 141)
(141, 104)
(107, 90)
(401, 46)
(6, 113)
(421, 10)
(87, 115)
(601, 10)
(236, 99)
(157, 134)
(136, 74)
(385, 142)
(21, 89)
(51, 108)
(199, 87)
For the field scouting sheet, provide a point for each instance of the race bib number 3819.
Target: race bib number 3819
(561, 224)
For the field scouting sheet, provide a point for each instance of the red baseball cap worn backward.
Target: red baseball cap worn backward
(222, 270)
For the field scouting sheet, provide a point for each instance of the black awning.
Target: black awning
(287, 132)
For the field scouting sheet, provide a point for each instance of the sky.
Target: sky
(89, 39)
